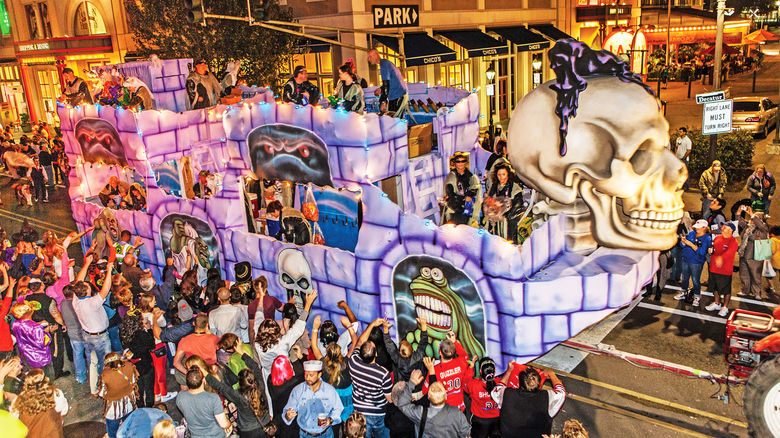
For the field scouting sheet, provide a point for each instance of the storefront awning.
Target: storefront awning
(419, 49)
(524, 39)
(550, 31)
(308, 45)
(476, 42)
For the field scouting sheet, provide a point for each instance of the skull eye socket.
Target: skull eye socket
(436, 274)
(287, 279)
(303, 283)
(643, 158)
(425, 272)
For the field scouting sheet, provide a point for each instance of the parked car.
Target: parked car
(754, 114)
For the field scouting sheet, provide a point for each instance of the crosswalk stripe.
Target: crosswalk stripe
(733, 298)
(701, 316)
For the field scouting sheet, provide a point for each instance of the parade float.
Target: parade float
(609, 199)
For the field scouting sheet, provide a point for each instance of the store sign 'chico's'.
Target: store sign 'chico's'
(396, 16)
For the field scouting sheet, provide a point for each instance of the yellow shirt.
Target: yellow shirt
(776, 252)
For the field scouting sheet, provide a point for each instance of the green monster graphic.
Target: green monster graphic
(444, 311)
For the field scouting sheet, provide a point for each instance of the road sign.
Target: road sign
(717, 117)
(396, 16)
(710, 97)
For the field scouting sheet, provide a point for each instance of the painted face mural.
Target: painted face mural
(425, 286)
(289, 153)
(100, 141)
(105, 225)
(188, 236)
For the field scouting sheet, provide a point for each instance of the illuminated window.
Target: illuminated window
(88, 20)
(5, 22)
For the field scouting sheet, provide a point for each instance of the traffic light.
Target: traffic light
(194, 10)
(258, 9)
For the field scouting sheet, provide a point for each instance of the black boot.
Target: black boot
(657, 294)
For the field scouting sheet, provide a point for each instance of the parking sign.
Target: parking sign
(717, 117)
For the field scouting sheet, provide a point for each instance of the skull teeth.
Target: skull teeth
(656, 220)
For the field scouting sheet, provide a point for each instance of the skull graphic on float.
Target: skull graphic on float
(294, 275)
(605, 144)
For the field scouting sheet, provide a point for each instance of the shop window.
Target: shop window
(304, 213)
(5, 21)
(88, 20)
(319, 67)
(49, 81)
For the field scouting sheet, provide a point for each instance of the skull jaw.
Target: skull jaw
(611, 227)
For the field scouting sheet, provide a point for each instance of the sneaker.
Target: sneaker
(170, 396)
(712, 307)
(695, 301)
(724, 311)
(680, 296)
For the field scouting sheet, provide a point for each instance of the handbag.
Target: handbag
(762, 249)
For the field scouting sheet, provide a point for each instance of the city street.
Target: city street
(668, 330)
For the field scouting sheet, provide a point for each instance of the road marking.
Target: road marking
(37, 222)
(634, 415)
(733, 298)
(700, 316)
(652, 399)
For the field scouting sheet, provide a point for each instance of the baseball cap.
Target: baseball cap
(701, 223)
(185, 311)
(730, 225)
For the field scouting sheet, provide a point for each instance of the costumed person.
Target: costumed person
(40, 406)
(462, 193)
(393, 93)
(112, 193)
(140, 95)
(299, 90)
(231, 76)
(32, 339)
(135, 199)
(76, 90)
(503, 205)
(117, 387)
(349, 90)
(203, 89)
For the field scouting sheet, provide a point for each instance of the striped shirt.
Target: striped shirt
(370, 383)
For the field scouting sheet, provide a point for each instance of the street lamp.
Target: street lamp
(491, 92)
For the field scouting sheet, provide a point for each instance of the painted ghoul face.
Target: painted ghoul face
(289, 153)
(443, 309)
(100, 141)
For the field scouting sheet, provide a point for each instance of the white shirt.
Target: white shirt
(91, 314)
(683, 146)
(229, 318)
(555, 399)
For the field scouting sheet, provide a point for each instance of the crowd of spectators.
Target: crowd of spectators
(234, 360)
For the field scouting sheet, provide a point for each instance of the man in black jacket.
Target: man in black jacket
(299, 90)
(529, 411)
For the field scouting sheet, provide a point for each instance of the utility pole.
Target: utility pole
(717, 67)
(668, 29)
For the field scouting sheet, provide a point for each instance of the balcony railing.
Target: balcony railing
(664, 3)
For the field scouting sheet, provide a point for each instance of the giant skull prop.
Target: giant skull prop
(615, 160)
(294, 274)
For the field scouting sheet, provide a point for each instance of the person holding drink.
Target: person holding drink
(314, 404)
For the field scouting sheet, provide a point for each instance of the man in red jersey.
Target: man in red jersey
(453, 370)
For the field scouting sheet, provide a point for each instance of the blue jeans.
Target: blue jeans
(100, 345)
(112, 426)
(676, 254)
(113, 336)
(692, 271)
(49, 174)
(375, 427)
(79, 363)
(327, 434)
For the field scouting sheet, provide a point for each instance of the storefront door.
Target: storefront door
(503, 81)
(49, 81)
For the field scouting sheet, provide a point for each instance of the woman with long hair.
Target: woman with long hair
(139, 340)
(334, 369)
(40, 406)
(505, 201)
(484, 424)
(117, 385)
(250, 399)
(349, 90)
(270, 342)
(283, 378)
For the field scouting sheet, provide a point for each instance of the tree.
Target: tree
(160, 27)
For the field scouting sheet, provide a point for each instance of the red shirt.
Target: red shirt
(6, 343)
(270, 304)
(514, 377)
(203, 345)
(482, 405)
(723, 252)
(454, 375)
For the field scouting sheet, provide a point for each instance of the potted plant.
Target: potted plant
(26, 125)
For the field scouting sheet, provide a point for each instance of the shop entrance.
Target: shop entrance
(49, 81)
